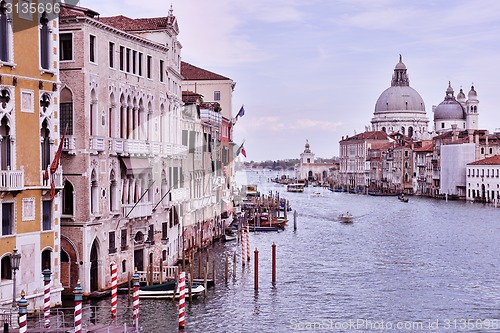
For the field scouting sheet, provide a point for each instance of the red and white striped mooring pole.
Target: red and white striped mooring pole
(182, 292)
(46, 299)
(248, 243)
(243, 249)
(114, 289)
(78, 292)
(136, 300)
(23, 313)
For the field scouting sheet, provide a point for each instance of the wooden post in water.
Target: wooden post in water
(151, 271)
(205, 279)
(285, 209)
(213, 272)
(190, 281)
(227, 268)
(129, 286)
(176, 283)
(161, 270)
(273, 263)
(199, 264)
(234, 265)
(183, 260)
(294, 220)
(256, 269)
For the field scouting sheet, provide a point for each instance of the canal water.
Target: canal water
(423, 266)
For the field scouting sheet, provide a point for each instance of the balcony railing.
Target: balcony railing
(69, 143)
(11, 180)
(58, 179)
(179, 194)
(97, 143)
(155, 147)
(142, 209)
(136, 147)
(212, 117)
(116, 146)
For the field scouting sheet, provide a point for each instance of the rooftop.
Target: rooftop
(493, 160)
(191, 72)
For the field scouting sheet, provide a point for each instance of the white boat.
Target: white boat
(317, 194)
(346, 217)
(297, 187)
(166, 290)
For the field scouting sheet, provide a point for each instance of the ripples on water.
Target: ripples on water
(417, 261)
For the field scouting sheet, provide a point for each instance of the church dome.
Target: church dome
(450, 108)
(398, 99)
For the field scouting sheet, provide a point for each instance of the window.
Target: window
(216, 95)
(66, 108)
(5, 145)
(46, 259)
(134, 56)
(164, 230)
(7, 218)
(92, 49)
(94, 192)
(184, 137)
(44, 42)
(111, 54)
(442, 125)
(67, 199)
(123, 239)
(45, 145)
(46, 215)
(148, 67)
(124, 266)
(4, 32)
(151, 233)
(112, 242)
(6, 268)
(161, 70)
(140, 64)
(127, 60)
(122, 57)
(66, 47)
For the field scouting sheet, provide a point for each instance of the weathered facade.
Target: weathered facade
(29, 138)
(124, 187)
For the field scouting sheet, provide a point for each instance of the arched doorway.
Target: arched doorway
(483, 192)
(94, 268)
(139, 251)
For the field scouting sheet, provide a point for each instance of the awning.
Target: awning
(136, 166)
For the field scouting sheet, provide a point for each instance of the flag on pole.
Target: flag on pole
(240, 150)
(243, 152)
(55, 165)
(241, 113)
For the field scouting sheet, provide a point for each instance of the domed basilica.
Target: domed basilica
(400, 108)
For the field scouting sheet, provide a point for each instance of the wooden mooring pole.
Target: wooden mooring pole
(256, 269)
(295, 220)
(274, 263)
(227, 268)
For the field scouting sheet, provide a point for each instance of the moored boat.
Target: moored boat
(166, 290)
(297, 187)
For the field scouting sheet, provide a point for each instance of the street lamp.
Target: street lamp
(15, 259)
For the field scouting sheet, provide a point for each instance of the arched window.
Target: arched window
(6, 267)
(383, 129)
(410, 131)
(164, 189)
(5, 144)
(406, 177)
(4, 33)
(67, 198)
(44, 42)
(124, 266)
(93, 114)
(66, 112)
(402, 129)
(94, 192)
(46, 259)
(45, 142)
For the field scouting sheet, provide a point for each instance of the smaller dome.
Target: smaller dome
(461, 95)
(449, 110)
(449, 90)
(472, 92)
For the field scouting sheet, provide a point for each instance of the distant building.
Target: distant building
(461, 112)
(483, 180)
(309, 170)
(400, 108)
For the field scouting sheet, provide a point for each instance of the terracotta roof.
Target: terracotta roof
(190, 97)
(191, 72)
(376, 135)
(426, 147)
(493, 160)
(381, 145)
(125, 23)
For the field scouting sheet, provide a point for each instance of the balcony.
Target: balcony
(58, 179)
(142, 209)
(97, 143)
(155, 147)
(116, 146)
(136, 147)
(69, 144)
(174, 150)
(179, 194)
(11, 180)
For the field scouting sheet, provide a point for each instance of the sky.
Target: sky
(313, 70)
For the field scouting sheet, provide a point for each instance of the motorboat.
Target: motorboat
(346, 217)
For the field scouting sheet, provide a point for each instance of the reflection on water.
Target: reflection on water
(417, 261)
